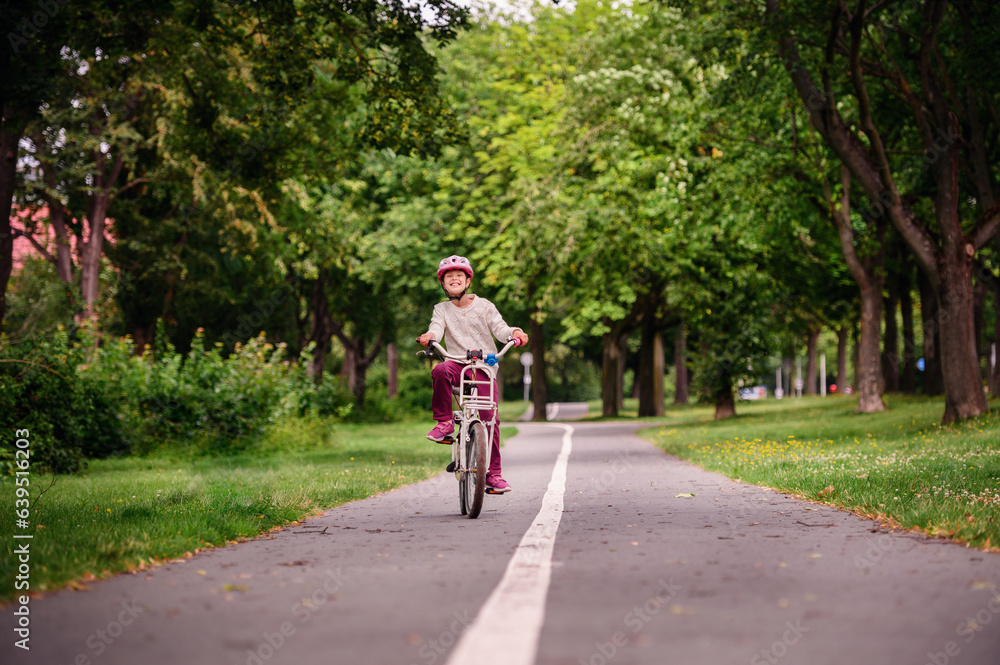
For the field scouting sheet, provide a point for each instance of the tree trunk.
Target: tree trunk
(539, 386)
(890, 343)
(610, 364)
(320, 332)
(908, 378)
(357, 375)
(995, 354)
(680, 366)
(933, 381)
(622, 364)
(811, 382)
(981, 173)
(57, 217)
(349, 368)
(651, 368)
(978, 318)
(392, 358)
(841, 358)
(142, 335)
(856, 356)
(867, 273)
(725, 405)
(64, 257)
(648, 380)
(869, 372)
(356, 363)
(11, 130)
(93, 249)
(963, 389)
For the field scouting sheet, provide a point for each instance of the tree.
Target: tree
(639, 114)
(32, 57)
(936, 91)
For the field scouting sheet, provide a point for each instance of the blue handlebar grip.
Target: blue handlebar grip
(491, 360)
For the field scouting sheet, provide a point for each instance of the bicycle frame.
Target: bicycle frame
(474, 395)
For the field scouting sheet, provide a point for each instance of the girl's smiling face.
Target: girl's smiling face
(455, 281)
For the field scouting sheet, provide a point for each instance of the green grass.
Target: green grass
(128, 513)
(899, 466)
(511, 410)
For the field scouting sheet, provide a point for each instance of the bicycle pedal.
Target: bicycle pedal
(490, 490)
(451, 468)
(448, 440)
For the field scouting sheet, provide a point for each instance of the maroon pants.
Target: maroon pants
(443, 377)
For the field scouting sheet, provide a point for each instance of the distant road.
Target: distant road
(559, 411)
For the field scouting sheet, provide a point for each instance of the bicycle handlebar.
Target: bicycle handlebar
(472, 354)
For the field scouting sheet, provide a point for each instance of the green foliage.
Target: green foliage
(92, 398)
(37, 301)
(69, 416)
(201, 400)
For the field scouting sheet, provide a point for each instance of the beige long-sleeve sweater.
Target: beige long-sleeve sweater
(469, 327)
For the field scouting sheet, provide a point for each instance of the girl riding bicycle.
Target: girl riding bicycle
(464, 322)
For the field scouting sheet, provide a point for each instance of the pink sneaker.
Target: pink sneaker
(443, 430)
(497, 485)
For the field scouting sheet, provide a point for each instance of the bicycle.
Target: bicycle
(470, 449)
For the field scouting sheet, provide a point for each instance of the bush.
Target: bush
(330, 398)
(69, 415)
(201, 400)
(96, 397)
(414, 392)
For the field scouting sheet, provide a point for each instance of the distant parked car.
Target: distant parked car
(753, 392)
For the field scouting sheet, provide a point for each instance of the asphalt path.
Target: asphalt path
(559, 411)
(592, 559)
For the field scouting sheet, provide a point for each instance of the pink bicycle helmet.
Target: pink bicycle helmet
(454, 262)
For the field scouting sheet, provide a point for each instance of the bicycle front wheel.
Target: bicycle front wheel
(474, 486)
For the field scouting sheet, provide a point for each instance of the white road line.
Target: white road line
(553, 409)
(510, 621)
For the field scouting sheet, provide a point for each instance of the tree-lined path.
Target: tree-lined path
(731, 574)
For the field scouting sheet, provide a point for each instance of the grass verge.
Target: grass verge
(899, 466)
(129, 513)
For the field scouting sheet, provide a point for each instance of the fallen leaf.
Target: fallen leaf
(980, 585)
(235, 587)
(815, 555)
(202, 572)
(826, 491)
(680, 609)
(683, 495)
